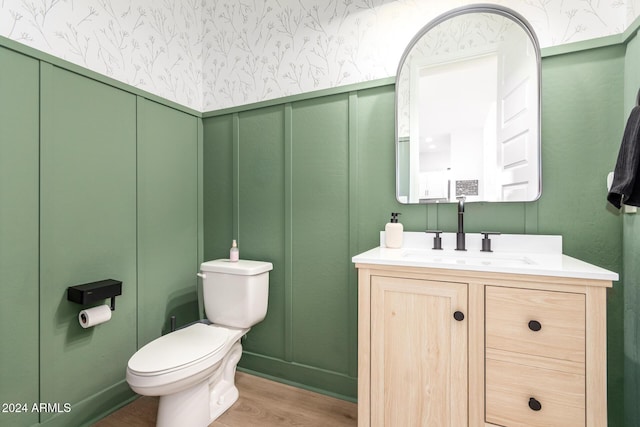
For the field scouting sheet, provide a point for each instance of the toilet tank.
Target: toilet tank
(235, 294)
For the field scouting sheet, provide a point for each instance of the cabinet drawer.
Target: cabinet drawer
(542, 323)
(510, 388)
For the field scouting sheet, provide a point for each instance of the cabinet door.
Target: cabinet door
(418, 353)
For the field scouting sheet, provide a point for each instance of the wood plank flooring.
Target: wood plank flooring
(261, 403)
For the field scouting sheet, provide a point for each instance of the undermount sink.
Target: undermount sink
(465, 258)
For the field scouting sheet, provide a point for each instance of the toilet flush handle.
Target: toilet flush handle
(201, 275)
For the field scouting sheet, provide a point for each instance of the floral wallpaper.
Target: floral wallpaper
(213, 54)
(153, 45)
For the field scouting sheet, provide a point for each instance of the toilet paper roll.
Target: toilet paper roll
(94, 316)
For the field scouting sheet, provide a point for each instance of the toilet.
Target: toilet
(193, 369)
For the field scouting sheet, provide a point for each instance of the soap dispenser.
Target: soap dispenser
(234, 252)
(393, 232)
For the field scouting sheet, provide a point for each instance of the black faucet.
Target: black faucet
(460, 238)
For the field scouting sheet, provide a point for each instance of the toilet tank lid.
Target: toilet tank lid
(242, 267)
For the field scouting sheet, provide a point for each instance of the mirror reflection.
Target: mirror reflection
(468, 110)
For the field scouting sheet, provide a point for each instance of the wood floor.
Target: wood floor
(261, 403)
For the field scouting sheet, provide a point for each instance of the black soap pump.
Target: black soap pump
(393, 232)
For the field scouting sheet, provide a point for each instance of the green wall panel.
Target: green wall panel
(261, 216)
(582, 128)
(89, 186)
(631, 319)
(631, 254)
(320, 230)
(88, 233)
(374, 188)
(167, 218)
(218, 186)
(19, 146)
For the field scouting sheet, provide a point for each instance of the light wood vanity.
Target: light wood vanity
(463, 347)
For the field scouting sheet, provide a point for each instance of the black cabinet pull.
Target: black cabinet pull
(534, 404)
(459, 316)
(534, 325)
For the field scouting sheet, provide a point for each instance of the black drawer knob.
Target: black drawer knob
(459, 316)
(534, 325)
(534, 404)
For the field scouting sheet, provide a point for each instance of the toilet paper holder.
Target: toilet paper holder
(89, 293)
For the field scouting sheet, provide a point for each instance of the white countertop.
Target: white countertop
(512, 253)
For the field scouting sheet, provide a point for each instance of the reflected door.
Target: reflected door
(517, 149)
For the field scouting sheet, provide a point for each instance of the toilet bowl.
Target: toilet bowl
(193, 369)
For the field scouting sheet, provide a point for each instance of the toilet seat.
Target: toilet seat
(178, 350)
(179, 360)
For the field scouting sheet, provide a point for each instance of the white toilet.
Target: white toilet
(193, 369)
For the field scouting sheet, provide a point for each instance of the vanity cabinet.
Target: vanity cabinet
(444, 347)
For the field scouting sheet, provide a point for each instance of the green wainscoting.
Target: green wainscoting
(260, 213)
(320, 234)
(313, 183)
(218, 186)
(290, 187)
(167, 219)
(582, 107)
(95, 182)
(88, 233)
(631, 255)
(19, 235)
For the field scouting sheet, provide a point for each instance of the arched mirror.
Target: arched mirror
(468, 109)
